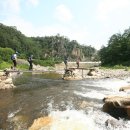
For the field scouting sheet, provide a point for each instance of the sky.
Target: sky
(89, 22)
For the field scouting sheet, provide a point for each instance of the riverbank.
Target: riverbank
(99, 72)
(110, 73)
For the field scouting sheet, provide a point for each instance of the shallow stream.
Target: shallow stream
(74, 103)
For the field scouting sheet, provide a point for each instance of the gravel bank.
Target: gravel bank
(111, 73)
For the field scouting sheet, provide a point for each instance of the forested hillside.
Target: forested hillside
(117, 52)
(55, 47)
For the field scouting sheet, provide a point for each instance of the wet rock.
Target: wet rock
(6, 81)
(19, 122)
(84, 104)
(41, 123)
(72, 74)
(126, 88)
(1, 73)
(93, 72)
(113, 123)
(117, 106)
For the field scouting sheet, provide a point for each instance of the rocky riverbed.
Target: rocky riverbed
(96, 73)
(113, 73)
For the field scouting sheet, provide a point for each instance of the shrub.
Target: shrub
(5, 54)
(46, 62)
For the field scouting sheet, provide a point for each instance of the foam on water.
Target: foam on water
(111, 84)
(92, 94)
(79, 120)
(12, 114)
(70, 120)
(64, 120)
(104, 87)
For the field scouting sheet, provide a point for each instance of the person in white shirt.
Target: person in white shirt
(14, 59)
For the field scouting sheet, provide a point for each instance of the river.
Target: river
(77, 105)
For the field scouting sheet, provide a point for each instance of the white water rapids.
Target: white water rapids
(89, 118)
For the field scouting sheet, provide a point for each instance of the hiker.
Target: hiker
(66, 62)
(30, 60)
(14, 59)
(77, 62)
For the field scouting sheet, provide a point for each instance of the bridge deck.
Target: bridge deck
(28, 71)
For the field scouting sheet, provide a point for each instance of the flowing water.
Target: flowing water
(75, 105)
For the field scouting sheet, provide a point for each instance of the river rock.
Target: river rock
(19, 121)
(117, 106)
(6, 81)
(72, 74)
(113, 123)
(84, 104)
(1, 73)
(125, 88)
(41, 123)
(93, 72)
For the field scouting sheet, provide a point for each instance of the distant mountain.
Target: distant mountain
(44, 47)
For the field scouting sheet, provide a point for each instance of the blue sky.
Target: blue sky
(90, 22)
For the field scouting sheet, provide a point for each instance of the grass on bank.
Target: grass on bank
(4, 65)
(115, 67)
(48, 62)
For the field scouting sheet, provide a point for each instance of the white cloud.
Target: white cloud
(8, 7)
(32, 2)
(63, 14)
(108, 7)
(24, 26)
(113, 17)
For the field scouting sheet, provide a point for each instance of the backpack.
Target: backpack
(12, 57)
(29, 59)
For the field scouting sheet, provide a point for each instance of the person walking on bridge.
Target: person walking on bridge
(77, 62)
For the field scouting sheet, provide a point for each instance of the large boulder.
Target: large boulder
(117, 106)
(6, 80)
